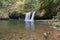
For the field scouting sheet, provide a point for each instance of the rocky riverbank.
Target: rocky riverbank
(55, 26)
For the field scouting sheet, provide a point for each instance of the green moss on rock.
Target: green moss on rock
(58, 24)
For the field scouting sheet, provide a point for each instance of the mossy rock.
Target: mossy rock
(58, 24)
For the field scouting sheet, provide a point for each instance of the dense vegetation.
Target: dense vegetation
(44, 8)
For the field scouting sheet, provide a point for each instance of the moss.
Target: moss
(58, 24)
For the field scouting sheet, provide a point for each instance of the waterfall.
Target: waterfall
(29, 16)
(32, 18)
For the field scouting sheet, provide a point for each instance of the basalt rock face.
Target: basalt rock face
(22, 16)
(46, 16)
(14, 15)
(43, 14)
(38, 15)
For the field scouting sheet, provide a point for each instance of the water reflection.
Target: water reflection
(29, 25)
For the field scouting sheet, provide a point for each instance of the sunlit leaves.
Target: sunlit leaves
(56, 1)
(32, 4)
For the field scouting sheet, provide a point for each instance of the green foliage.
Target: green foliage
(57, 16)
(56, 1)
(32, 5)
(8, 6)
(4, 8)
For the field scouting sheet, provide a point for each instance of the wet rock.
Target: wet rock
(20, 37)
(46, 34)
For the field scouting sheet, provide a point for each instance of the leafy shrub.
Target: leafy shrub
(57, 16)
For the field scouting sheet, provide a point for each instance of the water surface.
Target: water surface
(23, 30)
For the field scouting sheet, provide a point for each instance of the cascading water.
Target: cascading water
(29, 17)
